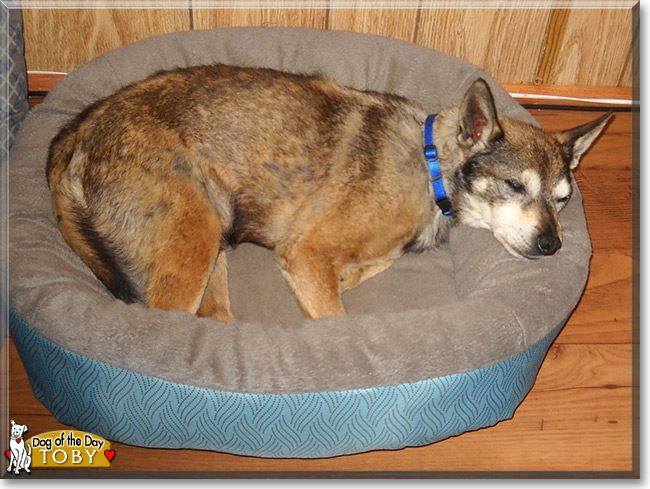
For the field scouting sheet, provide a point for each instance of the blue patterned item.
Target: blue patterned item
(124, 406)
(431, 153)
(14, 105)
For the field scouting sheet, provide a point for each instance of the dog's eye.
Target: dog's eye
(563, 199)
(516, 186)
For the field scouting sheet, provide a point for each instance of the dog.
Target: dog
(151, 184)
(21, 454)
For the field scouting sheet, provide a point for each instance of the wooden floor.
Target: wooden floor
(579, 415)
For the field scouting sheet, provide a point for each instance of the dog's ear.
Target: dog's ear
(24, 428)
(579, 139)
(478, 126)
(13, 422)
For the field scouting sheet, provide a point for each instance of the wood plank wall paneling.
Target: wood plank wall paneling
(591, 46)
(555, 29)
(396, 23)
(273, 17)
(506, 42)
(578, 47)
(62, 39)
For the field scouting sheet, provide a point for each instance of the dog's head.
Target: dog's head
(514, 178)
(17, 430)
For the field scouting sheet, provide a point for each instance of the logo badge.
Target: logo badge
(59, 449)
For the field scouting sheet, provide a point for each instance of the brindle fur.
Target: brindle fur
(151, 184)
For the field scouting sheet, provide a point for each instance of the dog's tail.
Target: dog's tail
(66, 165)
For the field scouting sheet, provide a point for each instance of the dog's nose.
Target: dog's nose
(548, 244)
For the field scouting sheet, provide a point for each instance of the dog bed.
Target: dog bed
(443, 342)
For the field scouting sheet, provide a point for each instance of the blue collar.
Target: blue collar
(431, 154)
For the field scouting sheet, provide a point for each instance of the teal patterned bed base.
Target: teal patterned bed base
(136, 409)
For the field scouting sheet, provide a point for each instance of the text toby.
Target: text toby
(70, 449)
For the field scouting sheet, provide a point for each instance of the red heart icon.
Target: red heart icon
(109, 454)
(8, 453)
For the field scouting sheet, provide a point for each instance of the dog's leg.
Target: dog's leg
(322, 256)
(314, 279)
(354, 275)
(216, 302)
(182, 262)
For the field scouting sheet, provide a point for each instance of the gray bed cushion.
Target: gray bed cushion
(452, 310)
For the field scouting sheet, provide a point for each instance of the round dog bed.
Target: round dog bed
(443, 342)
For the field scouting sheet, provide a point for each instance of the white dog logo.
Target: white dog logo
(20, 457)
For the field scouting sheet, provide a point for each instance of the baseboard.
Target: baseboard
(571, 95)
(39, 82)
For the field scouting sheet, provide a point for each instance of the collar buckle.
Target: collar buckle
(431, 152)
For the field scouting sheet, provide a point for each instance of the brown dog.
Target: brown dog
(152, 183)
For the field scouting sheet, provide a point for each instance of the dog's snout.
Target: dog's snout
(548, 243)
